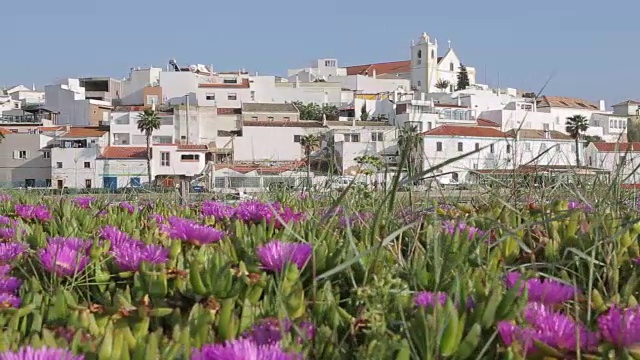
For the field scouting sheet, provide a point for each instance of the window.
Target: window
(438, 146)
(270, 118)
(451, 67)
(87, 183)
(253, 95)
(29, 183)
(477, 146)
(491, 148)
(22, 154)
(543, 147)
(419, 84)
(254, 118)
(232, 96)
(152, 99)
(134, 181)
(164, 158)
(352, 137)
(189, 157)
(47, 182)
(59, 164)
(508, 149)
(210, 96)
(460, 147)
(475, 166)
(230, 81)
(454, 177)
(296, 138)
(377, 136)
(419, 54)
(433, 54)
(46, 154)
(590, 161)
(87, 165)
(286, 118)
(162, 140)
(330, 63)
(60, 184)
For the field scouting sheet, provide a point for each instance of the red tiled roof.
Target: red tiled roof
(485, 122)
(229, 111)
(124, 152)
(617, 147)
(243, 85)
(470, 131)
(193, 147)
(301, 123)
(630, 186)
(565, 102)
(393, 67)
(75, 132)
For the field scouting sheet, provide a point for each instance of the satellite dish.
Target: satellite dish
(172, 62)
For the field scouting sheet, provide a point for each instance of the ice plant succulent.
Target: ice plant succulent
(546, 291)
(129, 255)
(9, 301)
(271, 330)
(427, 299)
(451, 227)
(621, 327)
(127, 207)
(255, 212)
(242, 349)
(114, 235)
(551, 328)
(275, 255)
(32, 212)
(44, 353)
(64, 258)
(217, 210)
(10, 251)
(83, 202)
(191, 232)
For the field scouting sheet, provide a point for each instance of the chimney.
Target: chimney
(374, 73)
(602, 106)
(458, 100)
(67, 127)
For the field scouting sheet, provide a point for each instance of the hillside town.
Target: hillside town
(228, 130)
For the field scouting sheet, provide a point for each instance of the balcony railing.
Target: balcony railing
(20, 119)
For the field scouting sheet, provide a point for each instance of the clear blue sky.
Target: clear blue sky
(590, 46)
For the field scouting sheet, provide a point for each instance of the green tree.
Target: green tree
(463, 78)
(309, 144)
(313, 111)
(575, 127)
(331, 112)
(442, 84)
(148, 122)
(369, 165)
(410, 143)
(364, 114)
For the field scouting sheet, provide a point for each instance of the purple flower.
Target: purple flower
(255, 212)
(621, 327)
(83, 202)
(4, 220)
(355, 220)
(10, 284)
(577, 205)
(276, 254)
(128, 256)
(63, 259)
(157, 218)
(128, 207)
(546, 291)
(551, 328)
(192, 232)
(9, 301)
(114, 235)
(452, 227)
(30, 212)
(9, 251)
(71, 242)
(7, 233)
(270, 331)
(5, 198)
(217, 210)
(30, 353)
(427, 299)
(5, 270)
(242, 349)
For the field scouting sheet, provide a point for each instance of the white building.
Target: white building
(415, 110)
(134, 85)
(122, 166)
(68, 99)
(25, 160)
(616, 157)
(319, 70)
(171, 162)
(26, 96)
(427, 68)
(74, 154)
(124, 127)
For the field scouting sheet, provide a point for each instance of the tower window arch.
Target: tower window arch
(419, 54)
(433, 54)
(451, 67)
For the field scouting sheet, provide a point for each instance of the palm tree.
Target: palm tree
(576, 126)
(148, 121)
(410, 143)
(309, 143)
(442, 84)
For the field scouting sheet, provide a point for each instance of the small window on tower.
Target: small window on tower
(433, 54)
(451, 67)
(419, 54)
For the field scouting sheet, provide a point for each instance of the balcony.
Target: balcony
(20, 119)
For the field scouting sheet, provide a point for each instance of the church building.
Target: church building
(429, 69)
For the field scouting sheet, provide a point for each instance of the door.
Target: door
(110, 182)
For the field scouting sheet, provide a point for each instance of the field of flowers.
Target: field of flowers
(308, 277)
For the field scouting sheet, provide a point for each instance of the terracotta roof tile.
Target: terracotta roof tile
(470, 131)
(305, 124)
(617, 147)
(485, 122)
(229, 111)
(243, 85)
(539, 134)
(186, 147)
(393, 67)
(269, 107)
(75, 132)
(565, 102)
(124, 152)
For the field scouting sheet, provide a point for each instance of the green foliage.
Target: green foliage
(364, 113)
(463, 78)
(442, 84)
(313, 111)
